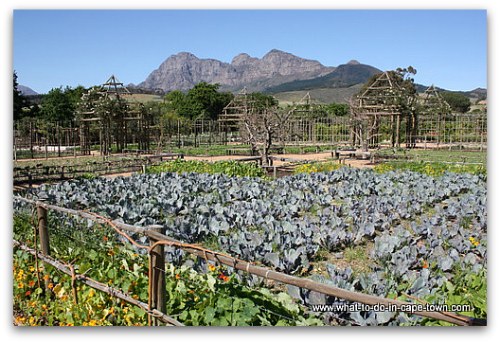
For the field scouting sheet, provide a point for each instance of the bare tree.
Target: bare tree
(262, 127)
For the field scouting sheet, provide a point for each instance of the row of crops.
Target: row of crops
(423, 237)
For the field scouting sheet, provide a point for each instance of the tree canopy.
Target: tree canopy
(202, 101)
(60, 104)
(19, 100)
(458, 102)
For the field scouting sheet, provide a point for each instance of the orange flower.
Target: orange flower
(177, 276)
(31, 283)
(223, 277)
(28, 293)
(425, 264)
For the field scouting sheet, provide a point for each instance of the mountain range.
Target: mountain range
(184, 70)
(26, 91)
(286, 76)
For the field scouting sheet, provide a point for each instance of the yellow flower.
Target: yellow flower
(20, 275)
(473, 241)
(31, 268)
(211, 267)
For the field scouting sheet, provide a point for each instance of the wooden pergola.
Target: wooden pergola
(380, 105)
(234, 112)
(115, 117)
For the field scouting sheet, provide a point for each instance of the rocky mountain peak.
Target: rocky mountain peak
(184, 70)
(243, 58)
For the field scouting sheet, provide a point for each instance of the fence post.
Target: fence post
(43, 234)
(158, 286)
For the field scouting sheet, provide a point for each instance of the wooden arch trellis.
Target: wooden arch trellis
(433, 113)
(107, 109)
(383, 100)
(303, 116)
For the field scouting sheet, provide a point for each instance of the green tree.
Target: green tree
(19, 100)
(261, 101)
(337, 110)
(458, 102)
(202, 101)
(60, 105)
(176, 102)
(206, 102)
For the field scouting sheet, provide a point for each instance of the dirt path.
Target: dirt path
(324, 156)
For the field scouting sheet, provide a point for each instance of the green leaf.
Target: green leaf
(111, 274)
(92, 255)
(139, 311)
(223, 304)
(211, 282)
(183, 316)
(194, 317)
(209, 314)
(181, 287)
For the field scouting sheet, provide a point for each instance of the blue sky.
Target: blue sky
(53, 48)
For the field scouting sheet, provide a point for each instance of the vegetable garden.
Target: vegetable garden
(266, 252)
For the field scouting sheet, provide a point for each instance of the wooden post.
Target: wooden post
(31, 139)
(43, 230)
(43, 234)
(58, 133)
(398, 127)
(158, 295)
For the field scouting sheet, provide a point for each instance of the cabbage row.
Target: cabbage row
(421, 228)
